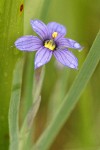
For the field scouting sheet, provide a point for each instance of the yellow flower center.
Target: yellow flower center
(54, 34)
(50, 44)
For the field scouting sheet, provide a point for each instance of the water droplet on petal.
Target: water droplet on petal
(72, 66)
(39, 64)
(76, 45)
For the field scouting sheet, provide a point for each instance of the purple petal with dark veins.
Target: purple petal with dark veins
(69, 43)
(66, 58)
(42, 56)
(28, 43)
(40, 28)
(56, 27)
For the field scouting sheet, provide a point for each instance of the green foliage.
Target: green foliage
(11, 27)
(26, 129)
(19, 137)
(14, 107)
(60, 93)
(71, 98)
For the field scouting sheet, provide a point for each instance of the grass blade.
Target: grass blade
(27, 126)
(11, 27)
(14, 107)
(72, 98)
(25, 132)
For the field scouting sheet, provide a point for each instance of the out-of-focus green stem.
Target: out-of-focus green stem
(27, 84)
(28, 80)
(29, 69)
(14, 107)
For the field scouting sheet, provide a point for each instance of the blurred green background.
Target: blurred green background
(82, 20)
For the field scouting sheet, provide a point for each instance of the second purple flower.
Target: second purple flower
(50, 42)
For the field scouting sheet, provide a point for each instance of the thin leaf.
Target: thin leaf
(29, 119)
(14, 107)
(27, 125)
(71, 98)
(38, 81)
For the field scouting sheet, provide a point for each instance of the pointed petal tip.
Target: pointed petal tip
(78, 46)
(16, 44)
(74, 66)
(33, 21)
(37, 65)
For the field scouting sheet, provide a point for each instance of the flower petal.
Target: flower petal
(66, 58)
(42, 56)
(40, 28)
(28, 43)
(56, 27)
(65, 42)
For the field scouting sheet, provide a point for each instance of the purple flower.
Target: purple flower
(51, 41)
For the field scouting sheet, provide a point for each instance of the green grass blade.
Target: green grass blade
(26, 128)
(38, 82)
(11, 27)
(14, 107)
(71, 98)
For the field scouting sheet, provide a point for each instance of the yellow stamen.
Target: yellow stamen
(50, 44)
(54, 34)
